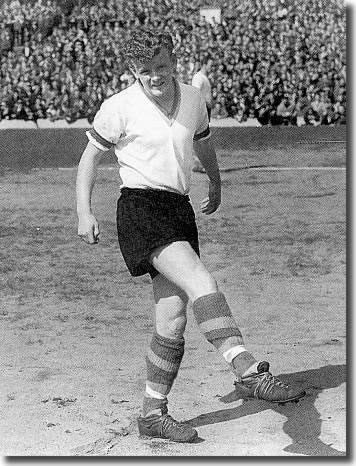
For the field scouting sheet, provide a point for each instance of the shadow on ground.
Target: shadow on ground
(303, 424)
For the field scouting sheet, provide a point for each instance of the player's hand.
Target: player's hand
(212, 202)
(88, 229)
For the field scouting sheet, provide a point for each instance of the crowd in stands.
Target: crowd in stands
(278, 62)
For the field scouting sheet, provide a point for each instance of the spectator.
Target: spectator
(266, 114)
(52, 113)
(302, 105)
(286, 111)
(259, 49)
(4, 111)
(339, 116)
(240, 115)
(318, 105)
(219, 111)
(311, 117)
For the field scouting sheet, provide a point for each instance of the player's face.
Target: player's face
(156, 74)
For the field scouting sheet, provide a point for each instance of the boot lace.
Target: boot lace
(169, 422)
(266, 384)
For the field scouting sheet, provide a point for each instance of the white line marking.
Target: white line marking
(75, 168)
(226, 169)
(296, 168)
(321, 142)
(265, 168)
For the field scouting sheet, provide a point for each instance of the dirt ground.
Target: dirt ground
(75, 325)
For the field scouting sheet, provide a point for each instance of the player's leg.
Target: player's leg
(163, 361)
(167, 345)
(170, 308)
(180, 264)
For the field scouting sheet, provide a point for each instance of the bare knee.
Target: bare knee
(172, 328)
(180, 264)
(203, 283)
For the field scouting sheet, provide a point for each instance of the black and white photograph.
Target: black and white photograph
(173, 244)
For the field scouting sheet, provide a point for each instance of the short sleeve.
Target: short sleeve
(203, 130)
(107, 126)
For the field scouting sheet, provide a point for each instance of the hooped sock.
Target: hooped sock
(216, 321)
(251, 370)
(163, 361)
(219, 327)
(243, 364)
(154, 406)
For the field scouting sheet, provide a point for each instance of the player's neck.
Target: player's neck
(168, 97)
(167, 101)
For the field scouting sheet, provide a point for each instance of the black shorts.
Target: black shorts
(148, 219)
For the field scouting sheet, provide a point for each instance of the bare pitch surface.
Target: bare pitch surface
(75, 325)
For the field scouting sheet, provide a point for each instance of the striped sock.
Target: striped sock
(163, 361)
(219, 327)
(154, 405)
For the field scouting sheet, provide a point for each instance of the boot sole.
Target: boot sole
(290, 400)
(249, 396)
(279, 402)
(151, 437)
(146, 435)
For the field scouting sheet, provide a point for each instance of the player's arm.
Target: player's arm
(88, 226)
(205, 152)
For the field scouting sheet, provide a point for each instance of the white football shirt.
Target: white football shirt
(154, 150)
(201, 81)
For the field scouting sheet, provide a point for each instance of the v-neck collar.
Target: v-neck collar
(170, 116)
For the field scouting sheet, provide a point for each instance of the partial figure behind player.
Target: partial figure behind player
(201, 81)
